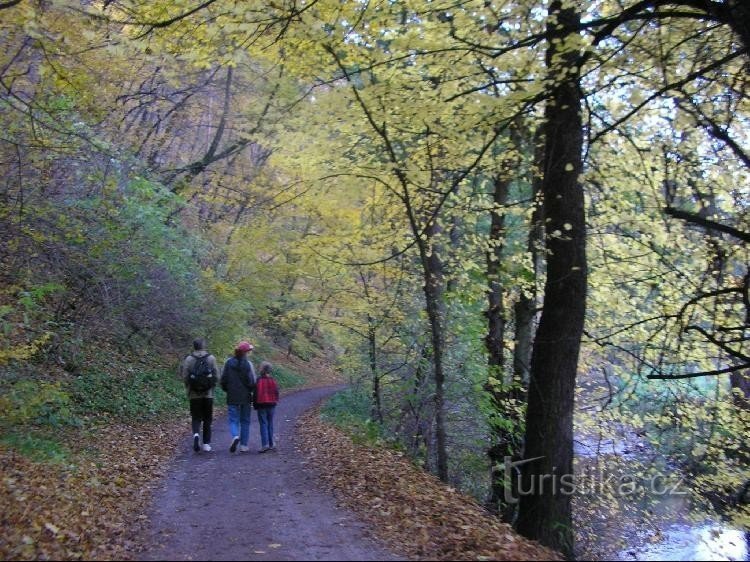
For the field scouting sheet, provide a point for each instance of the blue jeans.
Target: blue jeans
(239, 422)
(265, 420)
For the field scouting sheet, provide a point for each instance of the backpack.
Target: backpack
(201, 377)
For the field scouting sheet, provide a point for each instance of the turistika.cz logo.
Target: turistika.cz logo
(592, 482)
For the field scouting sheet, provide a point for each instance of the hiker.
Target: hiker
(238, 381)
(200, 373)
(266, 398)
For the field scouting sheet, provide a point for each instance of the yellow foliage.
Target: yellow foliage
(24, 352)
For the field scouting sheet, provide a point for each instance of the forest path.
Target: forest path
(250, 506)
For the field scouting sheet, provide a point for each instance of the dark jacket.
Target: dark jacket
(238, 380)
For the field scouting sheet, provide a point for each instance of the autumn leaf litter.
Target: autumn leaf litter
(416, 514)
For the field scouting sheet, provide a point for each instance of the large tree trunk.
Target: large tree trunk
(545, 502)
(739, 19)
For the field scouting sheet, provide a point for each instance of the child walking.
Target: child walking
(266, 398)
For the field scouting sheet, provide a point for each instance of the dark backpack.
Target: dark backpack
(201, 377)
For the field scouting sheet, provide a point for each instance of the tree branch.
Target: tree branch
(733, 352)
(693, 218)
(663, 90)
(724, 371)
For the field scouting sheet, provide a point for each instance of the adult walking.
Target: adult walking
(238, 381)
(266, 398)
(199, 372)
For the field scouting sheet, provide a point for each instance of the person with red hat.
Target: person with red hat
(238, 381)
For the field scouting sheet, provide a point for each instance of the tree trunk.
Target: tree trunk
(503, 442)
(740, 383)
(433, 290)
(524, 311)
(496, 306)
(739, 20)
(545, 502)
(376, 407)
(421, 429)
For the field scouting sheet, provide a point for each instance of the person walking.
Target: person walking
(200, 373)
(266, 398)
(238, 381)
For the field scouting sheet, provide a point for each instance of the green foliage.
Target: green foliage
(40, 403)
(35, 446)
(302, 347)
(350, 410)
(132, 397)
(26, 321)
(286, 378)
(32, 299)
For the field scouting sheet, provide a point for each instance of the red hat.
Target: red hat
(244, 347)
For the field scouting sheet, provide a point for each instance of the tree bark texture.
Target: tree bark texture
(545, 512)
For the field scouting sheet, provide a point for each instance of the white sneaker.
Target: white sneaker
(244, 448)
(206, 447)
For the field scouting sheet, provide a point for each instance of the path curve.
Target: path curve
(251, 506)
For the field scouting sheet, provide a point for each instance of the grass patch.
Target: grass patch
(350, 410)
(286, 378)
(35, 447)
(134, 397)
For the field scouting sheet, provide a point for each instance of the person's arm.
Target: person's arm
(275, 390)
(251, 374)
(215, 366)
(223, 377)
(184, 371)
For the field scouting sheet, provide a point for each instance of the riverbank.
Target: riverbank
(631, 504)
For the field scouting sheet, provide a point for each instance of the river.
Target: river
(654, 522)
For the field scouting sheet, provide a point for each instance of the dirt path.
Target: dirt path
(250, 506)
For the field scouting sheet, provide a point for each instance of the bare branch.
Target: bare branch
(693, 218)
(726, 370)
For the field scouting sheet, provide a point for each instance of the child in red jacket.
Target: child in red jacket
(266, 398)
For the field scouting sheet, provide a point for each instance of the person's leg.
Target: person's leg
(263, 423)
(208, 415)
(233, 411)
(196, 416)
(244, 424)
(269, 417)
